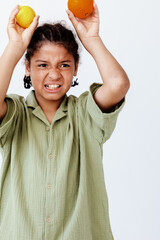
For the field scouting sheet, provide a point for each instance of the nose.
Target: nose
(54, 73)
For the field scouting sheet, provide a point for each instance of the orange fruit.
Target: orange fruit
(81, 8)
(25, 16)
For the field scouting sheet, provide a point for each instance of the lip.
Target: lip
(52, 90)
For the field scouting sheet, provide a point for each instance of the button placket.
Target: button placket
(48, 219)
(50, 156)
(47, 128)
(50, 177)
(49, 186)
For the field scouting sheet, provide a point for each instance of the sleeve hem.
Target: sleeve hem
(94, 109)
(8, 118)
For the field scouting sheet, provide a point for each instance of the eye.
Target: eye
(65, 65)
(43, 65)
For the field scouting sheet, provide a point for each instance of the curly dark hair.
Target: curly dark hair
(56, 33)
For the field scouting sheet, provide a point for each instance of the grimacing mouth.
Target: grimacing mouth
(52, 86)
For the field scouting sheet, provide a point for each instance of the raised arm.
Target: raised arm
(19, 39)
(115, 81)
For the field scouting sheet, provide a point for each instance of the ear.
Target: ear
(76, 69)
(27, 67)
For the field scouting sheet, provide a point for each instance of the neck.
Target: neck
(49, 107)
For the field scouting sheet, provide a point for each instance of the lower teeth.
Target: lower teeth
(52, 88)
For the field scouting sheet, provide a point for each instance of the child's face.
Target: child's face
(51, 71)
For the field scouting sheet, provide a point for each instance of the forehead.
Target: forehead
(50, 50)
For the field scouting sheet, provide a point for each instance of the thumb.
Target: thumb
(34, 24)
(28, 32)
(72, 18)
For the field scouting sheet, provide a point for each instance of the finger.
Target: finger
(95, 10)
(72, 18)
(34, 24)
(12, 16)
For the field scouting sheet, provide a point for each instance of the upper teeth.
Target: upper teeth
(52, 86)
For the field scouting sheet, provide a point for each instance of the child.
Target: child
(52, 184)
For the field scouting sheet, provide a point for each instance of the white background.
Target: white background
(131, 32)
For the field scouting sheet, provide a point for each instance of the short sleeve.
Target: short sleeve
(8, 122)
(100, 124)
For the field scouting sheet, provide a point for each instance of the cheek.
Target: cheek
(68, 76)
(36, 76)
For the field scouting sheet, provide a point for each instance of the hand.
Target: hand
(87, 28)
(18, 34)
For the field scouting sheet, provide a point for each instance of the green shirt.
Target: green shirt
(52, 181)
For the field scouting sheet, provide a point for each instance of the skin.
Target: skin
(19, 39)
(115, 81)
(51, 64)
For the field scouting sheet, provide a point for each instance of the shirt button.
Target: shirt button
(49, 186)
(50, 156)
(48, 220)
(47, 128)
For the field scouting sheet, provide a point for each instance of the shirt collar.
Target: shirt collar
(32, 102)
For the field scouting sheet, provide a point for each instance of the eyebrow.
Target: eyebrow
(64, 61)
